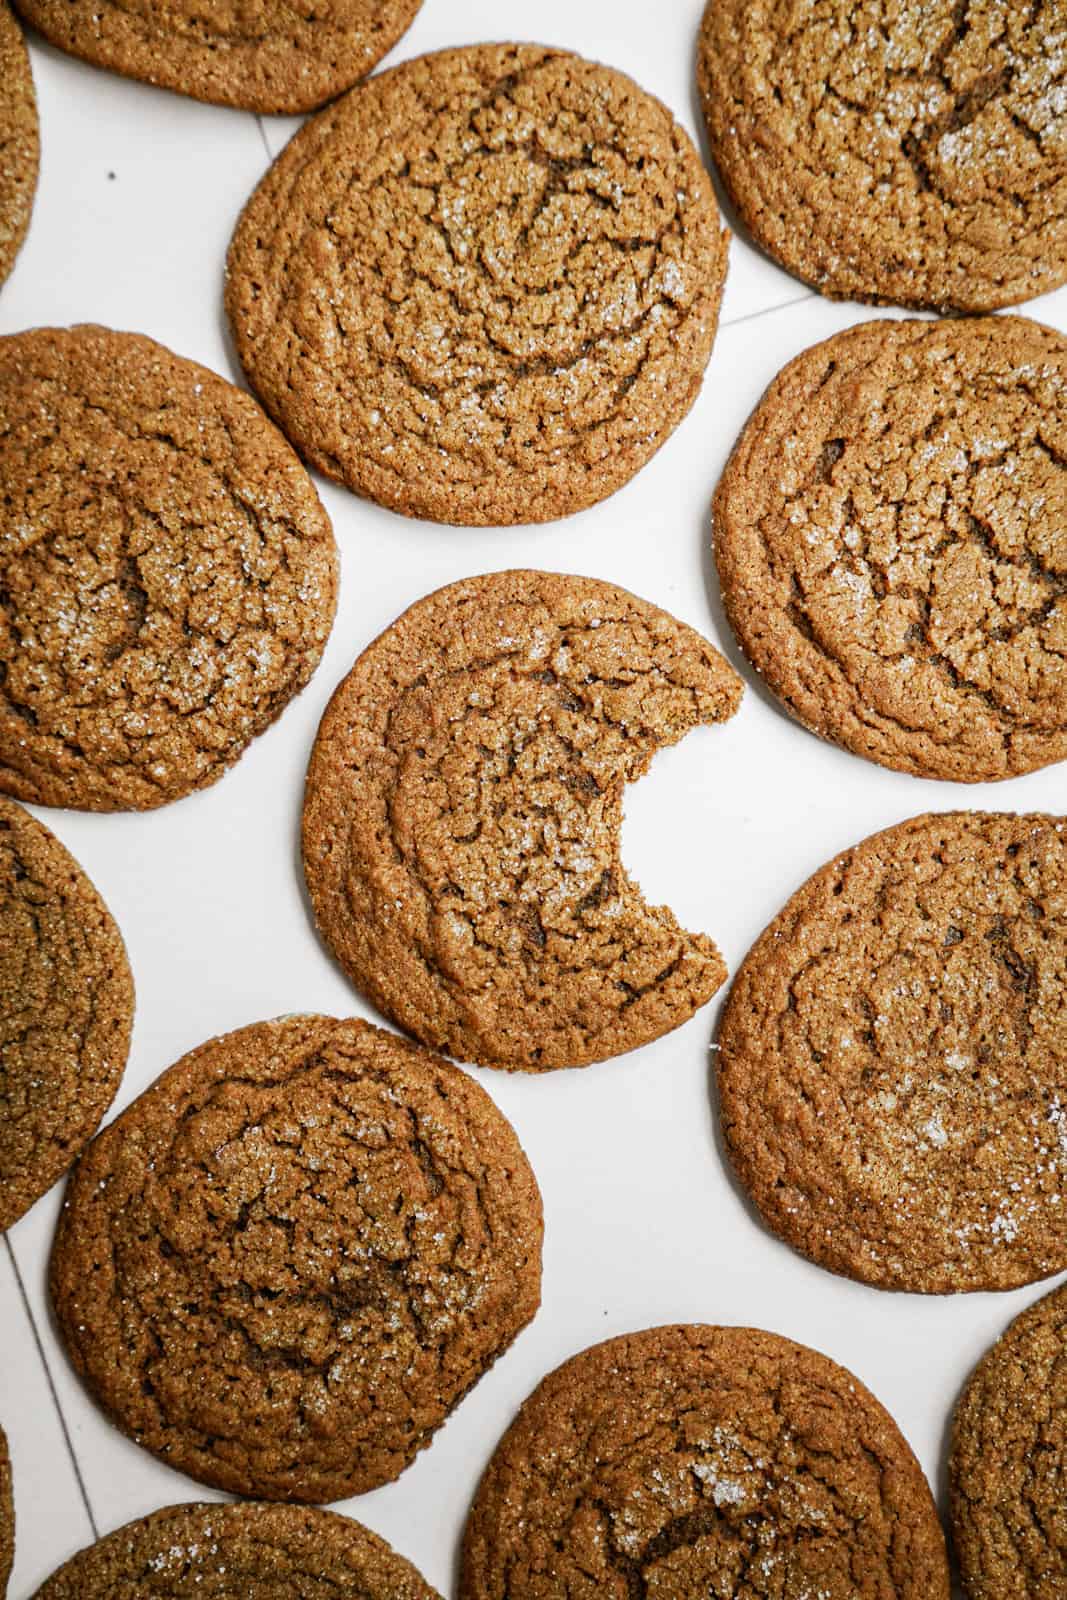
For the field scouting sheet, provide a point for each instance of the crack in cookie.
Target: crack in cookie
(168, 577)
(889, 539)
(483, 287)
(1007, 1459)
(222, 1552)
(287, 1262)
(462, 815)
(258, 55)
(19, 140)
(66, 1010)
(891, 1066)
(687, 1462)
(909, 153)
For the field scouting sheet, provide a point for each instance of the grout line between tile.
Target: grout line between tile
(52, 1388)
(783, 305)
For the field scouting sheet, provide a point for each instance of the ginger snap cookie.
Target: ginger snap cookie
(238, 1552)
(261, 55)
(889, 538)
(687, 1462)
(167, 573)
(284, 1265)
(1008, 1461)
(66, 1010)
(7, 1516)
(483, 287)
(462, 815)
(891, 1064)
(914, 154)
(19, 140)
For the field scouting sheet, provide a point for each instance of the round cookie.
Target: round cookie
(891, 1069)
(915, 154)
(19, 140)
(168, 575)
(462, 815)
(66, 1010)
(889, 538)
(688, 1462)
(260, 55)
(1008, 1460)
(7, 1516)
(483, 287)
(286, 1263)
(238, 1552)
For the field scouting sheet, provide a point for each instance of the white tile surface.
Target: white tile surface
(643, 1222)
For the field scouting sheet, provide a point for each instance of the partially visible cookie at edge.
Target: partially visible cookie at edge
(283, 1266)
(912, 154)
(66, 1010)
(891, 1070)
(250, 1551)
(1008, 1459)
(889, 540)
(7, 1516)
(19, 139)
(462, 814)
(686, 1462)
(483, 287)
(168, 576)
(263, 56)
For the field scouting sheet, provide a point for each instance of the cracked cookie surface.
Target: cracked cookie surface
(258, 55)
(19, 140)
(889, 539)
(66, 1010)
(913, 153)
(892, 1076)
(688, 1462)
(238, 1552)
(483, 287)
(286, 1263)
(462, 815)
(1008, 1459)
(7, 1516)
(167, 573)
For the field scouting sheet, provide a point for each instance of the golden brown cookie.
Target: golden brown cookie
(892, 1070)
(283, 1266)
(915, 154)
(483, 287)
(66, 1010)
(462, 814)
(1009, 1460)
(692, 1462)
(7, 1516)
(167, 574)
(19, 140)
(889, 534)
(259, 55)
(238, 1552)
